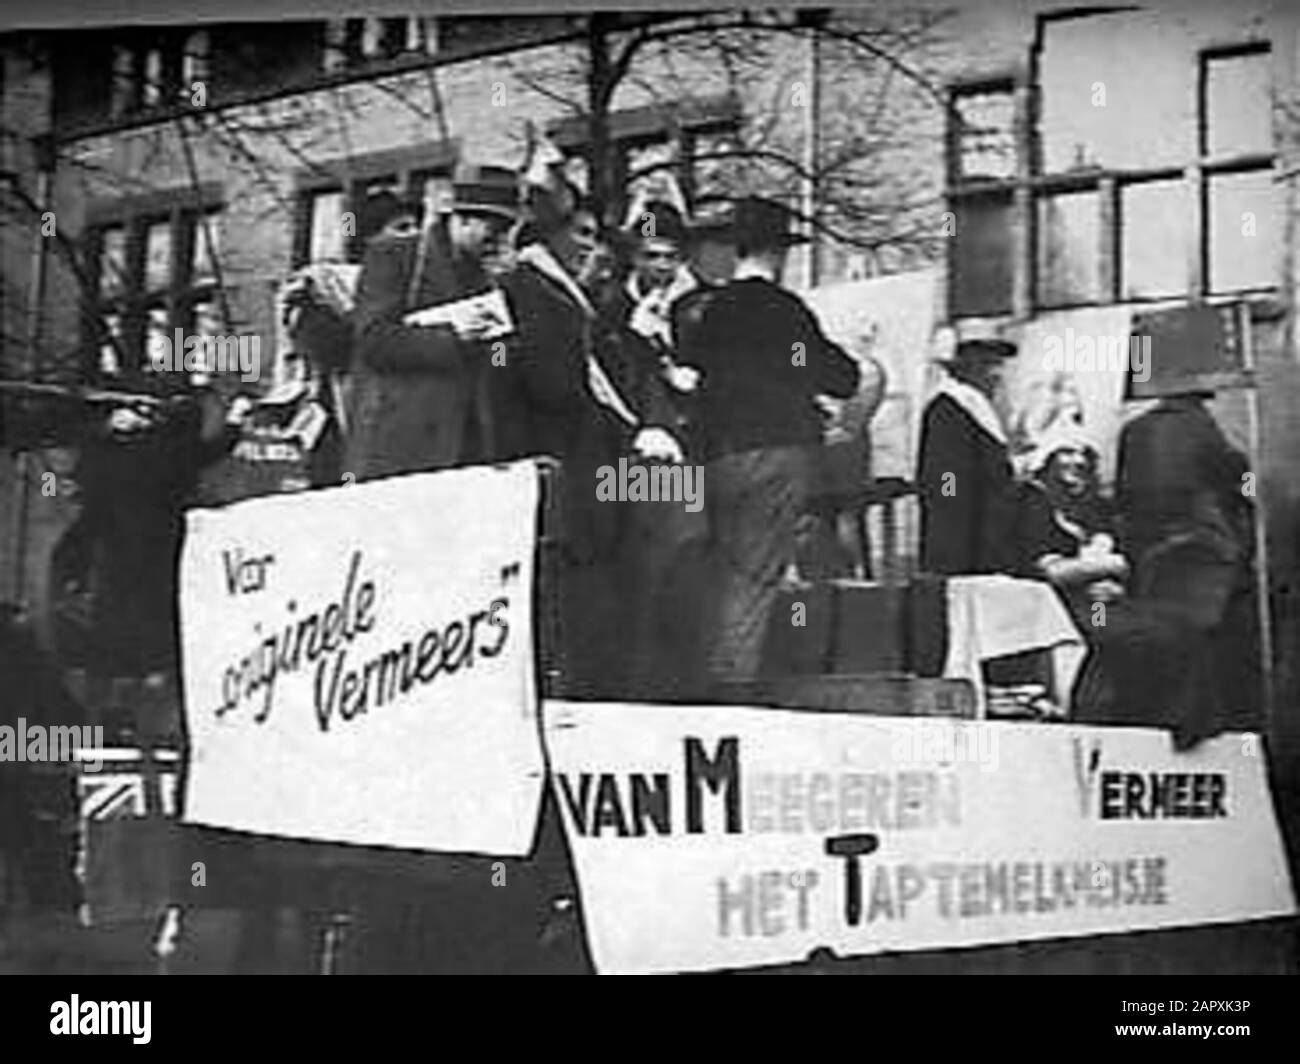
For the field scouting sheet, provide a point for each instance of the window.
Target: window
(986, 131)
(983, 254)
(649, 139)
(1069, 245)
(156, 262)
(1136, 165)
(151, 70)
(982, 153)
(1239, 197)
(330, 208)
(354, 42)
(1155, 238)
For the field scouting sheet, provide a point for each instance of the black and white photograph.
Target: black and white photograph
(489, 489)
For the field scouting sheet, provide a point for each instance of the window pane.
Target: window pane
(372, 37)
(112, 262)
(982, 256)
(205, 318)
(327, 237)
(435, 190)
(206, 248)
(1117, 92)
(125, 81)
(986, 134)
(157, 335)
(1238, 104)
(158, 256)
(194, 62)
(153, 77)
(1242, 231)
(657, 166)
(1156, 223)
(109, 362)
(427, 34)
(1069, 248)
(334, 56)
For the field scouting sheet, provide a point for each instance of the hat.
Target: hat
(979, 340)
(656, 219)
(763, 223)
(711, 219)
(1061, 436)
(485, 190)
(380, 208)
(1187, 351)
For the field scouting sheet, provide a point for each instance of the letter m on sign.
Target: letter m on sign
(719, 773)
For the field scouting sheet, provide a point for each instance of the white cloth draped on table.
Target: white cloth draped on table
(994, 616)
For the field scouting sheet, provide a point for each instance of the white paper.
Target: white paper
(465, 314)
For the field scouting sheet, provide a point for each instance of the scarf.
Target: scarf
(976, 404)
(539, 257)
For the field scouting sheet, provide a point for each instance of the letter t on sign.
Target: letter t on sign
(852, 847)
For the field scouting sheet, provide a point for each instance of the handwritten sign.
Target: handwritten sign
(358, 663)
(724, 837)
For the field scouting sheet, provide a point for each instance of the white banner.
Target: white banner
(726, 837)
(358, 663)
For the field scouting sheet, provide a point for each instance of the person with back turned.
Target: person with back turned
(763, 360)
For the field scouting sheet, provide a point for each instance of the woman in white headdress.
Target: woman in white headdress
(1065, 532)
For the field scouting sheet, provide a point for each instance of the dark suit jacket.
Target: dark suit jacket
(972, 529)
(541, 401)
(542, 405)
(412, 387)
(1172, 460)
(755, 394)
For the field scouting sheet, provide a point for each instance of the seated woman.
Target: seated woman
(1157, 640)
(1065, 532)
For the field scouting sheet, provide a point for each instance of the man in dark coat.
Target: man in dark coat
(557, 396)
(964, 479)
(1183, 651)
(763, 361)
(413, 387)
(1168, 457)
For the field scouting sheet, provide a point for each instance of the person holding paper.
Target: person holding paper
(414, 403)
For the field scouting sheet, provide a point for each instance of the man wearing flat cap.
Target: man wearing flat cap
(763, 360)
(415, 403)
(965, 481)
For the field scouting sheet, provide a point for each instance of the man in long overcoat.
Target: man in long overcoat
(413, 394)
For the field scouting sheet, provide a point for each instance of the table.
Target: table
(996, 616)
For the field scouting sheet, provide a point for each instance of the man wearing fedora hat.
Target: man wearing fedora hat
(965, 481)
(415, 402)
(763, 360)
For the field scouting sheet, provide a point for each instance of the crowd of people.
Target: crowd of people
(515, 324)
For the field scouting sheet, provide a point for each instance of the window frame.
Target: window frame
(634, 128)
(1030, 185)
(184, 211)
(411, 166)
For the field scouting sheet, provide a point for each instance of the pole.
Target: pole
(811, 152)
(1261, 533)
(36, 303)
